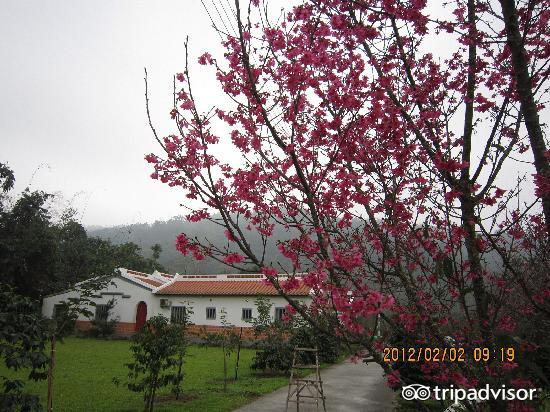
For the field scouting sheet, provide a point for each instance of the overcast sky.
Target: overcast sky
(72, 116)
(72, 112)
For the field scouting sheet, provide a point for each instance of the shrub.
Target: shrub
(274, 351)
(304, 336)
(276, 358)
(157, 349)
(229, 341)
(23, 339)
(277, 340)
(103, 328)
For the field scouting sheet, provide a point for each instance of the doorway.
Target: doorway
(141, 315)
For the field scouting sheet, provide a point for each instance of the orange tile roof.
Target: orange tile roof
(229, 287)
(152, 282)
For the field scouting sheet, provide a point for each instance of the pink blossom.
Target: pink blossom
(506, 324)
(151, 158)
(509, 366)
(229, 235)
(269, 272)
(182, 244)
(205, 58)
(290, 284)
(348, 260)
(233, 258)
(393, 379)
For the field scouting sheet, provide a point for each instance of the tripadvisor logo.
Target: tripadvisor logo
(416, 392)
(421, 393)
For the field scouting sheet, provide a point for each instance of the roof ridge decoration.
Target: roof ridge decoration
(135, 272)
(176, 278)
(164, 275)
(162, 278)
(137, 277)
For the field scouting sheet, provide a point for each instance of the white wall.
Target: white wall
(127, 295)
(233, 306)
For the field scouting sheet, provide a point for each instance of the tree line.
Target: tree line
(42, 254)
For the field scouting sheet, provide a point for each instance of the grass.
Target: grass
(85, 369)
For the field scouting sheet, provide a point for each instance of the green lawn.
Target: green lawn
(85, 369)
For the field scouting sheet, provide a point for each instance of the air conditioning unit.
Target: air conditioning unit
(165, 303)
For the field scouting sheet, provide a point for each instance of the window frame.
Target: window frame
(101, 308)
(212, 308)
(280, 312)
(179, 317)
(242, 314)
(57, 310)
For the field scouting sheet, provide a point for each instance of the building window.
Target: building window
(210, 313)
(247, 314)
(101, 312)
(58, 310)
(279, 313)
(178, 314)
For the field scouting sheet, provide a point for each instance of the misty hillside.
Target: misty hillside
(164, 233)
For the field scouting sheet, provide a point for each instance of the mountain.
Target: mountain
(164, 233)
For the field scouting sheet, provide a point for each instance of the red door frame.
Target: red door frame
(141, 315)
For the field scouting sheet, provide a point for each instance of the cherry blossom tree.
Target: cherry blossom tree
(401, 147)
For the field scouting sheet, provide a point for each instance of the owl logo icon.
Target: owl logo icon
(416, 392)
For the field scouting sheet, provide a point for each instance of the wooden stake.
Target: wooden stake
(50, 374)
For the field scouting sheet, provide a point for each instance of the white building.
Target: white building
(206, 298)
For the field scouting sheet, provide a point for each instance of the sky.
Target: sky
(72, 112)
(72, 115)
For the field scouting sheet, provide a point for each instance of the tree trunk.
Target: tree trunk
(147, 401)
(238, 354)
(224, 369)
(49, 407)
(467, 205)
(480, 294)
(180, 361)
(153, 392)
(524, 89)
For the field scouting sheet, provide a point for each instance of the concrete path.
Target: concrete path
(348, 387)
